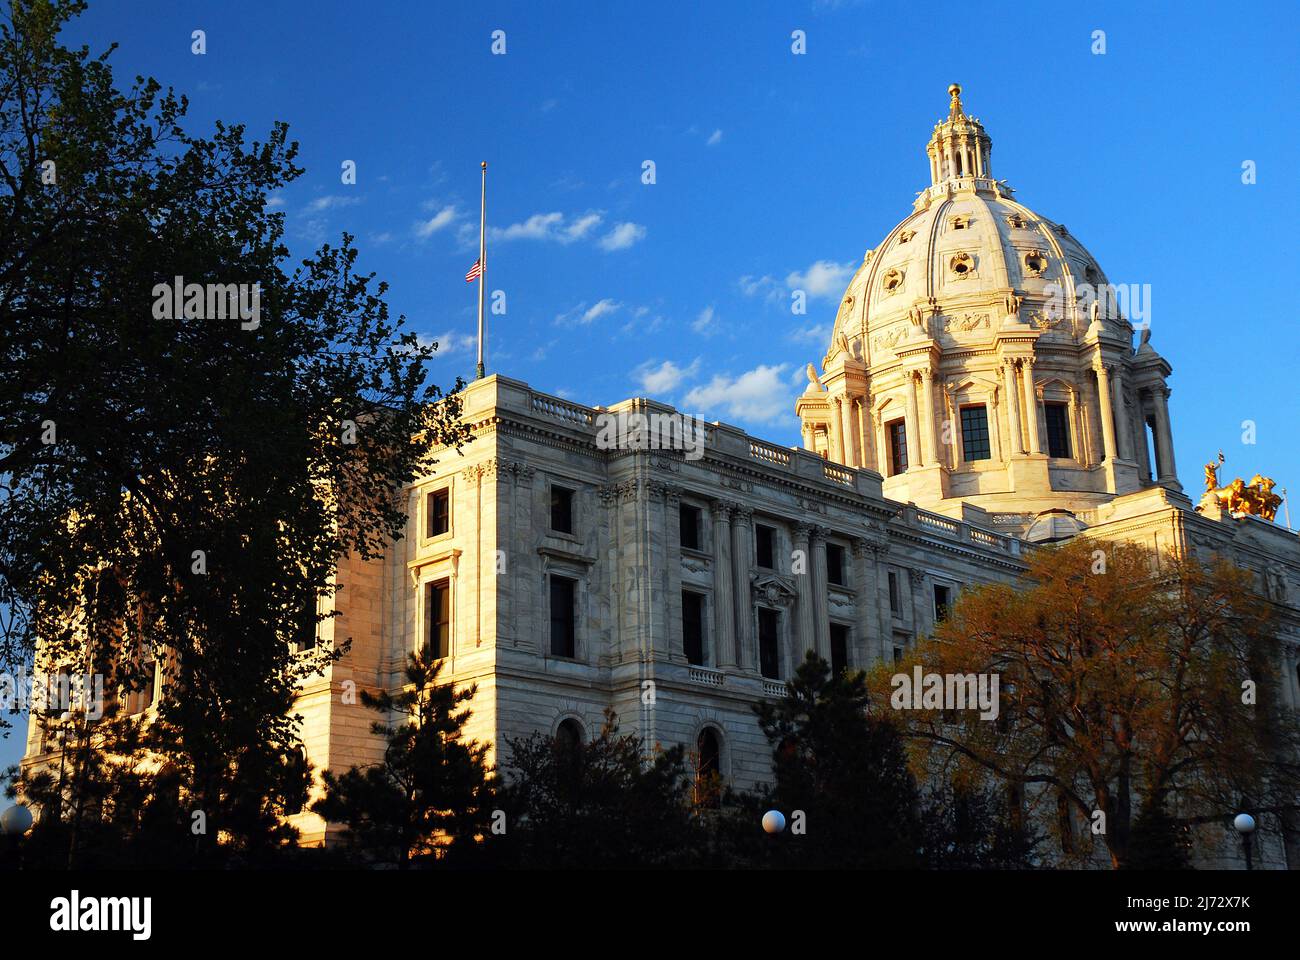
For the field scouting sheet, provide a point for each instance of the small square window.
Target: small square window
(438, 513)
(561, 509)
(689, 519)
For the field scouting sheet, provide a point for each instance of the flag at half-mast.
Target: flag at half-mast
(475, 272)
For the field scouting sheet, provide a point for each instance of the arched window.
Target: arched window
(568, 735)
(708, 774)
(710, 748)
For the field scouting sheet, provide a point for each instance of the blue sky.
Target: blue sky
(772, 170)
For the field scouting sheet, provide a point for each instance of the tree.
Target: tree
(845, 769)
(431, 790)
(608, 802)
(178, 480)
(1123, 675)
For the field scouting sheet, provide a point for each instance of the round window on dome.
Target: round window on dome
(961, 265)
(1035, 263)
(893, 280)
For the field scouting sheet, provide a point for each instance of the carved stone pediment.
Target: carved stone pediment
(773, 589)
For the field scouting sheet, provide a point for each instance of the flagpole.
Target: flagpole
(482, 264)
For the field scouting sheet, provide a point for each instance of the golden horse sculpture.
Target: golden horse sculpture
(1256, 498)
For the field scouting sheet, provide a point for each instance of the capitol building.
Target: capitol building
(982, 392)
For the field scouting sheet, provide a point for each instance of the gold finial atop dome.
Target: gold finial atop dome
(954, 106)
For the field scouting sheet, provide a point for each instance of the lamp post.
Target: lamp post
(1244, 824)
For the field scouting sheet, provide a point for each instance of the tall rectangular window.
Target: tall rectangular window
(438, 513)
(437, 617)
(764, 546)
(893, 594)
(561, 510)
(835, 564)
(693, 627)
(975, 433)
(689, 519)
(942, 601)
(896, 432)
(1058, 429)
(839, 648)
(769, 647)
(563, 617)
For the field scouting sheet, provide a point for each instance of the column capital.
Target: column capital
(802, 531)
(721, 509)
(916, 576)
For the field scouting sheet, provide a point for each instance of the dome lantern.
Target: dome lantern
(959, 148)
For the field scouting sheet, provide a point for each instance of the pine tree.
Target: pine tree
(430, 792)
(845, 770)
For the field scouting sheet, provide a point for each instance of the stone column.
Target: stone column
(866, 440)
(880, 444)
(820, 596)
(931, 436)
(1031, 405)
(724, 628)
(836, 451)
(920, 622)
(1123, 437)
(806, 631)
(868, 619)
(850, 435)
(880, 552)
(742, 559)
(807, 431)
(1104, 394)
(673, 581)
(913, 424)
(1015, 447)
(1164, 435)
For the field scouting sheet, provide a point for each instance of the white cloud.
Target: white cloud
(583, 315)
(664, 378)
(273, 201)
(550, 226)
(622, 236)
(330, 202)
(451, 342)
(815, 333)
(715, 138)
(443, 218)
(704, 321)
(824, 279)
(760, 395)
(579, 228)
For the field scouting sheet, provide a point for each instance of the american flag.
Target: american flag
(475, 272)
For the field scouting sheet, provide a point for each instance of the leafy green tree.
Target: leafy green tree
(179, 485)
(608, 802)
(845, 770)
(431, 791)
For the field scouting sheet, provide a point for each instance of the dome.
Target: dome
(980, 357)
(968, 259)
